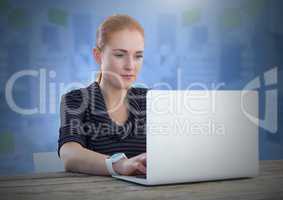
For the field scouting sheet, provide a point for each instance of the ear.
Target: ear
(97, 55)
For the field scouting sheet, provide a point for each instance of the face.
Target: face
(121, 58)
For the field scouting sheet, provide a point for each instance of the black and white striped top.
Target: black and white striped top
(85, 119)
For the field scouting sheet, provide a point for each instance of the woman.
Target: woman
(103, 125)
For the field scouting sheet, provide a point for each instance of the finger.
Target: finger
(139, 166)
(137, 172)
(138, 157)
(143, 159)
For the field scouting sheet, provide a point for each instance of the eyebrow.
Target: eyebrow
(125, 51)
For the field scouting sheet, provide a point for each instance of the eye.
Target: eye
(118, 55)
(139, 56)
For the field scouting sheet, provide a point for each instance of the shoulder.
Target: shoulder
(82, 93)
(75, 98)
(76, 94)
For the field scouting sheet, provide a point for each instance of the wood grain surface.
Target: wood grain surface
(62, 185)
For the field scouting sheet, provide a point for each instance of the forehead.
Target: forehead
(130, 40)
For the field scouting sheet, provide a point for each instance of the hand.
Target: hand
(132, 166)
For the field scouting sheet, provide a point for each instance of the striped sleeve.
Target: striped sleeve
(73, 107)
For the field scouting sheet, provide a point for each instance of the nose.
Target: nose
(130, 63)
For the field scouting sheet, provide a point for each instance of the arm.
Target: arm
(79, 159)
(72, 143)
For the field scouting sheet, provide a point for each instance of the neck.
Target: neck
(113, 96)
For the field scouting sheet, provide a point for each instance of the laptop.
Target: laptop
(200, 135)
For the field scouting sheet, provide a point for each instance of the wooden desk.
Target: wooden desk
(268, 185)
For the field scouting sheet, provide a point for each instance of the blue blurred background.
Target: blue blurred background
(224, 42)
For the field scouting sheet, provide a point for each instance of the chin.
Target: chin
(124, 85)
(127, 85)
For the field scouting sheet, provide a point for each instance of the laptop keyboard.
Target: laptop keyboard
(140, 176)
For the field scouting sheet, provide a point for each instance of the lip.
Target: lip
(128, 76)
